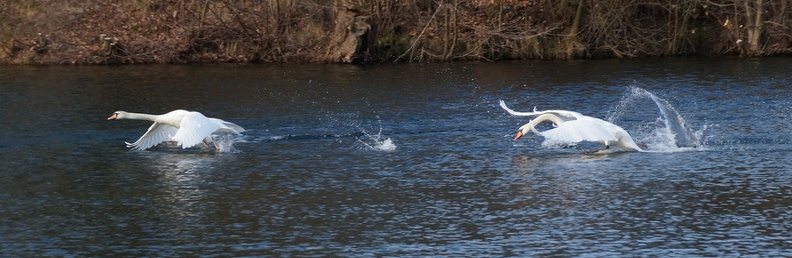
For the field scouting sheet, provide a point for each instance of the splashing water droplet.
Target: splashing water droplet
(386, 145)
(375, 142)
(225, 142)
(669, 133)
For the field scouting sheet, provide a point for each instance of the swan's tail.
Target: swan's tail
(234, 127)
(229, 127)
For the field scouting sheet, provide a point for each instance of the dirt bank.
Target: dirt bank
(364, 31)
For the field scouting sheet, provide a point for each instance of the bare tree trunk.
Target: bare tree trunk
(756, 26)
(576, 21)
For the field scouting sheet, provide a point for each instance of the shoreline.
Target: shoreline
(372, 64)
(352, 32)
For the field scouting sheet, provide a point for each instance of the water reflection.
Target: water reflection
(183, 179)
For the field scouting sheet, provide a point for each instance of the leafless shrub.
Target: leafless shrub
(177, 31)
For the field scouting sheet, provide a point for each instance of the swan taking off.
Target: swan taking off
(573, 127)
(186, 128)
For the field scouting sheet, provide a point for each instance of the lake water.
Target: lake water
(397, 160)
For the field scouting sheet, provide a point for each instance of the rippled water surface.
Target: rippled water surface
(401, 160)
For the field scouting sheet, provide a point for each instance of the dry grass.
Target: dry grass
(180, 31)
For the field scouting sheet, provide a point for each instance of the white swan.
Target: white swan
(573, 127)
(186, 128)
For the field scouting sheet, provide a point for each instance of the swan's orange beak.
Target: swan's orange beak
(112, 117)
(519, 134)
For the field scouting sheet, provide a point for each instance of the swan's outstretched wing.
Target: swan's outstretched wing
(566, 115)
(580, 130)
(157, 133)
(194, 128)
(515, 113)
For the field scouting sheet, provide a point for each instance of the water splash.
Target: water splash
(376, 141)
(668, 132)
(361, 129)
(225, 142)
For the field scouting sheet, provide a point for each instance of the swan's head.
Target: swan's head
(117, 115)
(523, 131)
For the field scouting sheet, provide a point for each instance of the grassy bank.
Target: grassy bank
(182, 31)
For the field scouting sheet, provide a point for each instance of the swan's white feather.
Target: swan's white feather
(580, 130)
(227, 127)
(194, 127)
(157, 133)
(564, 114)
(573, 127)
(186, 128)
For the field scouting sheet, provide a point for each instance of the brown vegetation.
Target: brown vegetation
(179, 31)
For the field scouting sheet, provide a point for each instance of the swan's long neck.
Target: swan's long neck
(141, 116)
(548, 117)
(540, 119)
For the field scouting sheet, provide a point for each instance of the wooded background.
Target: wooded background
(181, 31)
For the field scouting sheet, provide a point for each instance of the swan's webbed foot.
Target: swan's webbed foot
(597, 150)
(213, 143)
(217, 147)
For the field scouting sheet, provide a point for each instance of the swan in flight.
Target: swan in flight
(573, 127)
(186, 128)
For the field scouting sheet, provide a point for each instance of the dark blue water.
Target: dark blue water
(397, 160)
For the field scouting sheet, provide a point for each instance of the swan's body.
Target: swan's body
(573, 127)
(186, 128)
